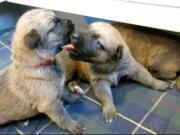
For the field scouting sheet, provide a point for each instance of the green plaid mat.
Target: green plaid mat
(141, 110)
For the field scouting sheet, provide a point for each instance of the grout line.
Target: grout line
(153, 99)
(5, 45)
(136, 123)
(122, 116)
(93, 100)
(36, 127)
(20, 132)
(85, 91)
(47, 124)
(147, 114)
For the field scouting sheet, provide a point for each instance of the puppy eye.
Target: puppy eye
(56, 23)
(99, 44)
(96, 35)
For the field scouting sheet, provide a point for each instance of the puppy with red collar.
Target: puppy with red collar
(34, 82)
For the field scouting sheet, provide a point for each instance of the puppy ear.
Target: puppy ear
(32, 39)
(119, 52)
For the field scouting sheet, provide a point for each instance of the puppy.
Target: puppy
(101, 57)
(34, 82)
(159, 52)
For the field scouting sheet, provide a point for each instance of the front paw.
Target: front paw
(109, 114)
(76, 128)
(161, 85)
(75, 88)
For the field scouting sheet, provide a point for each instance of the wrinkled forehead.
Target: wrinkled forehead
(104, 30)
(101, 28)
(38, 13)
(47, 20)
(86, 34)
(36, 17)
(45, 17)
(107, 34)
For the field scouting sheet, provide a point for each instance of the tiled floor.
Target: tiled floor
(141, 110)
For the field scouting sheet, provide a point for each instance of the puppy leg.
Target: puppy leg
(55, 110)
(71, 98)
(162, 70)
(162, 66)
(3, 120)
(102, 90)
(168, 75)
(141, 75)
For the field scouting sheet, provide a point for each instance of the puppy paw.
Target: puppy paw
(76, 128)
(109, 114)
(162, 85)
(74, 87)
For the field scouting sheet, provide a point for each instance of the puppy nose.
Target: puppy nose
(76, 39)
(75, 36)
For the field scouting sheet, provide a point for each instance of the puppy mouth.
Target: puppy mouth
(73, 54)
(58, 49)
(61, 45)
(72, 51)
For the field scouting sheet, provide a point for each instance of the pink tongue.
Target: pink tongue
(69, 47)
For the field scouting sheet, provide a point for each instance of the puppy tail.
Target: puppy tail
(178, 82)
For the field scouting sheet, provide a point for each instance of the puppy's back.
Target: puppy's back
(145, 42)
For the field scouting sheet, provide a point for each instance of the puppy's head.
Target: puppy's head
(41, 32)
(99, 44)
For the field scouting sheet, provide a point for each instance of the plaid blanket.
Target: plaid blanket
(140, 110)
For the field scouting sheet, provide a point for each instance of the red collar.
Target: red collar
(48, 62)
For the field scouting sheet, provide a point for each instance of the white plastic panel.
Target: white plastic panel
(155, 16)
(169, 3)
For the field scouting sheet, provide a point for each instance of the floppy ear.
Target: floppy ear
(32, 39)
(119, 52)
